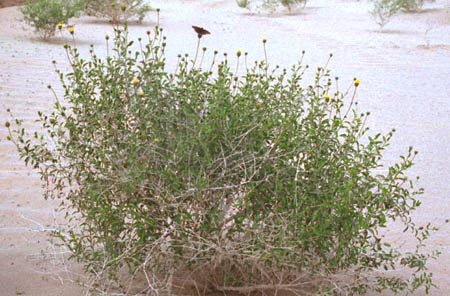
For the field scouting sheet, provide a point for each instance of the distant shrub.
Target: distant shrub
(384, 10)
(412, 5)
(253, 184)
(117, 10)
(243, 3)
(272, 4)
(45, 15)
(289, 4)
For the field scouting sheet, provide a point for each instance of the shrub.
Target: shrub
(243, 3)
(252, 183)
(290, 3)
(412, 5)
(272, 4)
(117, 10)
(384, 10)
(45, 15)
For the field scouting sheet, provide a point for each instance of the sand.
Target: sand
(8, 3)
(404, 73)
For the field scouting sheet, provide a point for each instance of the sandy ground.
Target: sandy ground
(404, 74)
(8, 3)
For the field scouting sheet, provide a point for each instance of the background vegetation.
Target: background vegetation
(45, 15)
(48, 15)
(384, 10)
(117, 10)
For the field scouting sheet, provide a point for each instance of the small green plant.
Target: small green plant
(251, 183)
(243, 3)
(290, 3)
(411, 5)
(117, 10)
(45, 15)
(384, 10)
(272, 4)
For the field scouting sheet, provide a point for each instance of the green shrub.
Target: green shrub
(45, 15)
(290, 3)
(250, 183)
(117, 10)
(243, 3)
(384, 10)
(412, 5)
(272, 4)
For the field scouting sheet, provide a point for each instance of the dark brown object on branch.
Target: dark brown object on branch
(200, 31)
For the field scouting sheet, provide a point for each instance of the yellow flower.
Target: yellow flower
(327, 97)
(71, 30)
(59, 26)
(238, 53)
(356, 81)
(258, 105)
(135, 81)
(264, 40)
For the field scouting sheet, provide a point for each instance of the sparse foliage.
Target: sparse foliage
(273, 4)
(290, 3)
(243, 3)
(384, 10)
(117, 10)
(412, 5)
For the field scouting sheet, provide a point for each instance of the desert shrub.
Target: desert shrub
(273, 4)
(117, 10)
(412, 5)
(45, 15)
(225, 182)
(290, 3)
(243, 3)
(384, 10)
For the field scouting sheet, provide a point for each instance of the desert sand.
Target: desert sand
(404, 73)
